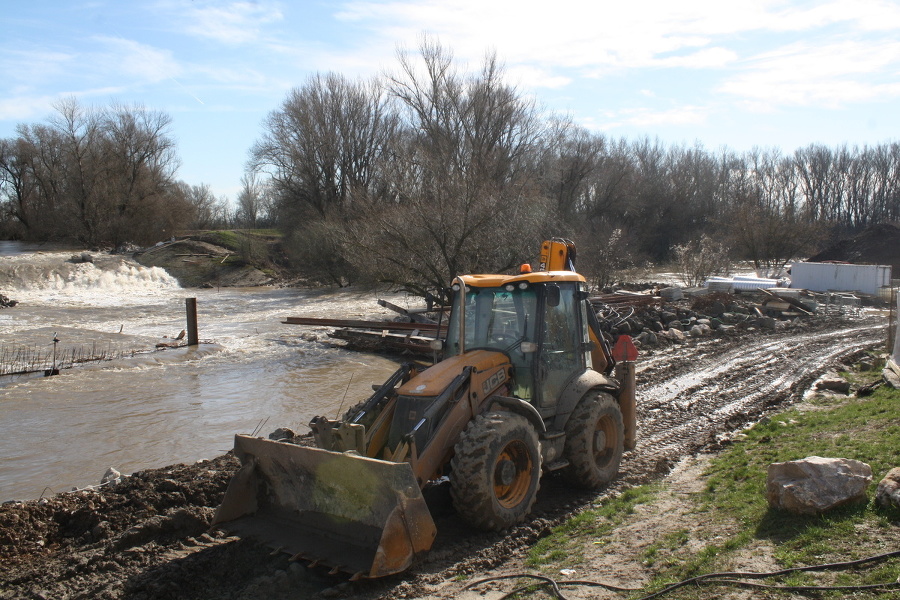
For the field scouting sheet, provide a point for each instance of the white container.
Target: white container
(741, 282)
(832, 277)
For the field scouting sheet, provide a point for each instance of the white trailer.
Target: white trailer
(836, 277)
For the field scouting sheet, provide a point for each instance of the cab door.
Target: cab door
(561, 353)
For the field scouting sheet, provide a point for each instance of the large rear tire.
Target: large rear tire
(496, 470)
(595, 438)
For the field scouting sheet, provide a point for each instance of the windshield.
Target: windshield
(495, 318)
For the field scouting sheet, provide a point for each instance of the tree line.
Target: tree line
(99, 177)
(432, 170)
(416, 175)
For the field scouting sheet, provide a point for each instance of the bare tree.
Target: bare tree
(251, 201)
(207, 211)
(464, 189)
(18, 188)
(768, 222)
(137, 171)
(323, 146)
(95, 176)
(698, 259)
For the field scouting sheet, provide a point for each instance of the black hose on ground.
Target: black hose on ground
(724, 578)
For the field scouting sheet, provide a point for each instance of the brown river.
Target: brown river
(140, 407)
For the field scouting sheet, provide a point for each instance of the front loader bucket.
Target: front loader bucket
(355, 514)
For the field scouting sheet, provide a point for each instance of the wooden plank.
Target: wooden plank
(630, 298)
(384, 340)
(795, 303)
(414, 315)
(360, 324)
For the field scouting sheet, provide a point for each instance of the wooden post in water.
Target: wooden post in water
(191, 306)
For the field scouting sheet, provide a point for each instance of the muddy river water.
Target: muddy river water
(145, 407)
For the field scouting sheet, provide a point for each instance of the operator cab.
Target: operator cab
(539, 320)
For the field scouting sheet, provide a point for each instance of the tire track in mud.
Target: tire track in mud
(738, 384)
(687, 397)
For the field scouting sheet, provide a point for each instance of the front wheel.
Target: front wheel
(496, 470)
(595, 437)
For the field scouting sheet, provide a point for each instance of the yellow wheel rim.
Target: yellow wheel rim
(512, 474)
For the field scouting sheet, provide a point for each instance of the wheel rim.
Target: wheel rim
(512, 474)
(605, 441)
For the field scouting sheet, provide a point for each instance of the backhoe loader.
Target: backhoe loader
(526, 385)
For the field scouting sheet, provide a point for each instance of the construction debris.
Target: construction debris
(649, 317)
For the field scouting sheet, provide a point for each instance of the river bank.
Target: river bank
(147, 537)
(213, 259)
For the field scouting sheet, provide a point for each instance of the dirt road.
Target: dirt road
(147, 536)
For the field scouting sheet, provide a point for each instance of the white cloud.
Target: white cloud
(537, 77)
(646, 118)
(129, 59)
(831, 75)
(601, 38)
(34, 64)
(708, 58)
(230, 23)
(26, 108)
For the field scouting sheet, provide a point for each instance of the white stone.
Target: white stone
(814, 484)
(111, 477)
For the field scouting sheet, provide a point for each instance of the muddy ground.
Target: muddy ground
(147, 537)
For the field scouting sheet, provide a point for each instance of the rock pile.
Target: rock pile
(667, 322)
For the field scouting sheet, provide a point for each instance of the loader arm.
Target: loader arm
(481, 375)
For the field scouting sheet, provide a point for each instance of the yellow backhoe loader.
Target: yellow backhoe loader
(526, 385)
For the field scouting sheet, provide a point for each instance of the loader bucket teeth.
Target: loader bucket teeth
(349, 512)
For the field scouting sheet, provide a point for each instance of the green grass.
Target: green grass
(250, 246)
(733, 515)
(563, 548)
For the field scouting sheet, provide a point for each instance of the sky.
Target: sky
(720, 73)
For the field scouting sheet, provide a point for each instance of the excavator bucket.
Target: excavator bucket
(355, 514)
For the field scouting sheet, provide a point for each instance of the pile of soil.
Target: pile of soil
(197, 263)
(877, 245)
(79, 544)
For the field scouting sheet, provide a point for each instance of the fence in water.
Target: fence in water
(22, 360)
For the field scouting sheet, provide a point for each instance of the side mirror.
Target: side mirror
(553, 295)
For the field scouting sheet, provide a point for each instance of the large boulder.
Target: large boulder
(888, 492)
(814, 484)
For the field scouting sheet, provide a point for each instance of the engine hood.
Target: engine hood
(434, 380)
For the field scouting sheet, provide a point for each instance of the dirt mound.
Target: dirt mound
(877, 245)
(197, 263)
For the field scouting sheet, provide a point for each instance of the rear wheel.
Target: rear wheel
(595, 439)
(496, 470)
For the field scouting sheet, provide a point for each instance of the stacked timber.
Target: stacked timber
(394, 336)
(412, 337)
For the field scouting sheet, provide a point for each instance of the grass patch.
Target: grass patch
(564, 547)
(732, 519)
(249, 246)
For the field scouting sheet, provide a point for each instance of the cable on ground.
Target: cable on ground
(733, 578)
